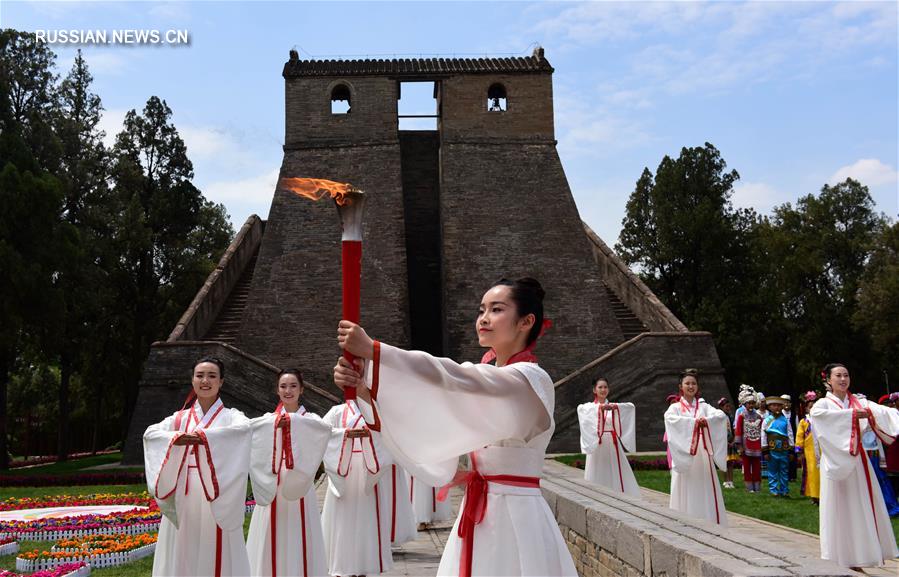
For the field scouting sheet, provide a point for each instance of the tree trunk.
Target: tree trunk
(4, 384)
(62, 421)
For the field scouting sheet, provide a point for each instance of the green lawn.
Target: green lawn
(73, 466)
(794, 511)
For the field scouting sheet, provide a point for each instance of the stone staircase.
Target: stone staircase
(228, 321)
(630, 324)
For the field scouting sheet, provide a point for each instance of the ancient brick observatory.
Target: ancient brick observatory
(449, 210)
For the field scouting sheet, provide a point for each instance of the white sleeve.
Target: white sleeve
(588, 417)
(432, 410)
(224, 467)
(833, 430)
(679, 429)
(628, 414)
(163, 465)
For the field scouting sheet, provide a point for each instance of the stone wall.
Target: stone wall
(249, 385)
(643, 371)
(507, 211)
(613, 535)
(631, 290)
(295, 297)
(203, 310)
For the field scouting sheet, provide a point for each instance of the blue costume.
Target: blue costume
(872, 447)
(779, 447)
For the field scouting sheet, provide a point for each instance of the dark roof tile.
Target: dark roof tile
(419, 67)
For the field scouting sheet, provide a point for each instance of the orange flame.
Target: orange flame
(318, 188)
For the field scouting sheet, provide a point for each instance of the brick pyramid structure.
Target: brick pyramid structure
(448, 212)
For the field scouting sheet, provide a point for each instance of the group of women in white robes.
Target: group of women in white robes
(197, 464)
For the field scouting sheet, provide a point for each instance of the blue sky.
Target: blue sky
(793, 94)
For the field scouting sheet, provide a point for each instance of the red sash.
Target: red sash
(855, 448)
(615, 431)
(702, 433)
(475, 506)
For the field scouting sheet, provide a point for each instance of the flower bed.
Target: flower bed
(15, 504)
(117, 478)
(132, 522)
(97, 550)
(8, 546)
(53, 458)
(79, 569)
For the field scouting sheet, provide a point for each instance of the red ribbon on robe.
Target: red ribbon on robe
(856, 449)
(704, 434)
(475, 505)
(615, 431)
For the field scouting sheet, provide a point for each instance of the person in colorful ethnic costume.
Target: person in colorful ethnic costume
(748, 438)
(431, 410)
(778, 446)
(808, 452)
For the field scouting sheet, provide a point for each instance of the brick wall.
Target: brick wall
(295, 299)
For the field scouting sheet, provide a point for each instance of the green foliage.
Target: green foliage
(782, 295)
(815, 255)
(692, 248)
(877, 313)
(104, 248)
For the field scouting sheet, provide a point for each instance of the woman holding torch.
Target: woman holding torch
(500, 412)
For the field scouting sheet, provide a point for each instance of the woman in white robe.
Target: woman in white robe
(355, 516)
(395, 488)
(196, 463)
(854, 524)
(697, 438)
(430, 411)
(426, 508)
(285, 535)
(607, 430)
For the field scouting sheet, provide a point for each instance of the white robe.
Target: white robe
(286, 525)
(695, 488)
(395, 490)
(425, 505)
(355, 517)
(432, 410)
(201, 491)
(607, 464)
(854, 524)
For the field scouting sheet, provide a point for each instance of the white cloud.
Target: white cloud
(757, 195)
(260, 187)
(207, 141)
(111, 123)
(868, 171)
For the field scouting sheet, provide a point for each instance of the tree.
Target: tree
(30, 205)
(168, 235)
(816, 254)
(878, 304)
(693, 249)
(82, 170)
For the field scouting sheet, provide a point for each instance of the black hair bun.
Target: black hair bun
(532, 284)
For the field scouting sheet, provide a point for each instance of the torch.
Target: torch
(350, 202)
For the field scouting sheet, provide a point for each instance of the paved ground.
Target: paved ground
(422, 557)
(785, 536)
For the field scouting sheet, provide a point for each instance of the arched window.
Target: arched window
(340, 99)
(496, 98)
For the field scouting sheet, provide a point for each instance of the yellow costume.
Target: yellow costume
(806, 442)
